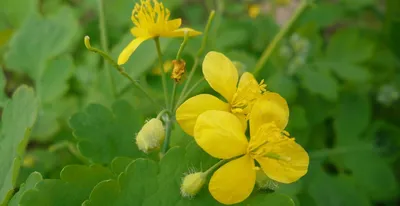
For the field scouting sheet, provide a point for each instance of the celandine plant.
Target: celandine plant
(238, 136)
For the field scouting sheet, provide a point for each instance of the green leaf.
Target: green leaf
(147, 183)
(283, 84)
(3, 96)
(30, 183)
(346, 50)
(323, 14)
(298, 118)
(347, 71)
(45, 126)
(72, 189)
(119, 164)
(14, 12)
(40, 39)
(231, 37)
(348, 45)
(357, 4)
(17, 119)
(38, 160)
(52, 84)
(272, 199)
(137, 182)
(318, 82)
(352, 117)
(105, 134)
(336, 191)
(317, 109)
(372, 174)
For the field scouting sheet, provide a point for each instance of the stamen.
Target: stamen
(246, 95)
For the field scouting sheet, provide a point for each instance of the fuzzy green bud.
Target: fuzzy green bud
(264, 182)
(192, 184)
(151, 135)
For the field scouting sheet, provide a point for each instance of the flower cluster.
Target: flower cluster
(219, 126)
(219, 129)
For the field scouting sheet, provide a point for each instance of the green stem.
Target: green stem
(119, 68)
(199, 54)
(168, 129)
(172, 104)
(162, 113)
(195, 85)
(104, 44)
(183, 45)
(271, 47)
(178, 58)
(163, 76)
(218, 164)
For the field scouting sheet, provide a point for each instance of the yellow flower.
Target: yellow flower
(157, 69)
(223, 77)
(222, 135)
(254, 10)
(152, 20)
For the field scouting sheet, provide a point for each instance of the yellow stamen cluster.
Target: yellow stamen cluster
(276, 139)
(246, 95)
(150, 17)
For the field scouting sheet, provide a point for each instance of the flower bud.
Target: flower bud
(264, 182)
(192, 184)
(179, 70)
(151, 135)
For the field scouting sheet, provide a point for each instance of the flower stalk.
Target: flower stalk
(178, 57)
(197, 58)
(163, 75)
(119, 68)
(104, 44)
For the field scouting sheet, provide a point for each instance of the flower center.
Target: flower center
(268, 141)
(246, 95)
(146, 16)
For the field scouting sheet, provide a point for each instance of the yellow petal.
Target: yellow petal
(242, 119)
(220, 134)
(221, 74)
(270, 107)
(247, 93)
(128, 50)
(233, 182)
(247, 79)
(138, 32)
(187, 113)
(285, 163)
(174, 24)
(181, 32)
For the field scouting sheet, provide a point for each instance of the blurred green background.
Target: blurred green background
(338, 68)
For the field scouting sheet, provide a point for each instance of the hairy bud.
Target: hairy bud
(151, 135)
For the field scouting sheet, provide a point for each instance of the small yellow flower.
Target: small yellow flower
(222, 135)
(157, 69)
(254, 10)
(223, 77)
(152, 20)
